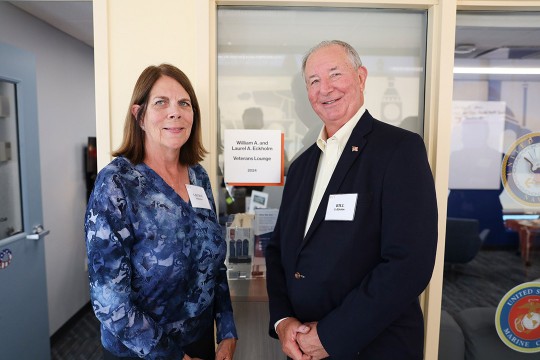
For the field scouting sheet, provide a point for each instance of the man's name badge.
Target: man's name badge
(197, 196)
(341, 207)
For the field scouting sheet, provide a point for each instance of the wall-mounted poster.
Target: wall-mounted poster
(253, 157)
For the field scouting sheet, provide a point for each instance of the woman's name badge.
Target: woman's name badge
(341, 207)
(197, 196)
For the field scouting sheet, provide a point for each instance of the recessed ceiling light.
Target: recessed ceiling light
(464, 48)
(497, 70)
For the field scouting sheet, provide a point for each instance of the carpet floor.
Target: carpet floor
(481, 282)
(486, 279)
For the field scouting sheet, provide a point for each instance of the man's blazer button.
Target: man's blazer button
(297, 275)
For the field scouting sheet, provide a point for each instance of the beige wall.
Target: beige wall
(131, 34)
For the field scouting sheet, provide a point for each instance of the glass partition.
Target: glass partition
(260, 86)
(494, 188)
(10, 189)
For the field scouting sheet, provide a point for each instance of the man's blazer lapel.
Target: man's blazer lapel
(351, 152)
(302, 200)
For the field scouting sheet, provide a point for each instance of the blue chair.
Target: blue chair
(463, 240)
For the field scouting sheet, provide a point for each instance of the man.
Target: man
(355, 241)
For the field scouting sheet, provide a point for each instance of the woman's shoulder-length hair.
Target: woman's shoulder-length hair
(133, 147)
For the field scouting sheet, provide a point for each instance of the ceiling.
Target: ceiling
(500, 36)
(74, 18)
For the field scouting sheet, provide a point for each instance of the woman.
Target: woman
(155, 249)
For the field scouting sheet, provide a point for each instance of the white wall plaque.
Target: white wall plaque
(253, 157)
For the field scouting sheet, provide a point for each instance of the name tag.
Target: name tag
(341, 207)
(198, 197)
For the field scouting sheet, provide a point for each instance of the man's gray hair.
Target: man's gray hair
(353, 56)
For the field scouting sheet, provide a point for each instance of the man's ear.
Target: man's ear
(362, 74)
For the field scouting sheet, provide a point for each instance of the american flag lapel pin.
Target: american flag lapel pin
(355, 148)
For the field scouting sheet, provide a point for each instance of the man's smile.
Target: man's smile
(329, 102)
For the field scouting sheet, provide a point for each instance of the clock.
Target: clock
(520, 170)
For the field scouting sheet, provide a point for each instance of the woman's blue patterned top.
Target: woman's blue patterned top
(156, 264)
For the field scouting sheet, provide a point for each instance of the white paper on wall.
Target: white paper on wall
(476, 147)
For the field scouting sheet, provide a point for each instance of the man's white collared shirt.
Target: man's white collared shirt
(332, 149)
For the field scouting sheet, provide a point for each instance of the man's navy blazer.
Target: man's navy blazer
(359, 279)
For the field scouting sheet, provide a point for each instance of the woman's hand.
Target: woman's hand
(225, 349)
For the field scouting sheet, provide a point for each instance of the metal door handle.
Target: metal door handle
(38, 233)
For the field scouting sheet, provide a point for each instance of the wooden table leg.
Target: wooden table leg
(528, 237)
(524, 242)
